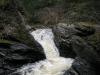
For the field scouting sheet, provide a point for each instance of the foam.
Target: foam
(54, 64)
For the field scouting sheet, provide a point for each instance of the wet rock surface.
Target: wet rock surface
(13, 58)
(17, 48)
(70, 45)
(72, 39)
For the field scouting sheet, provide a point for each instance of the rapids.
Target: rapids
(54, 64)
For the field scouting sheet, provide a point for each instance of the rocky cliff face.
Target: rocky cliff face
(76, 36)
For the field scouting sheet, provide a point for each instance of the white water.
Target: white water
(54, 64)
(45, 38)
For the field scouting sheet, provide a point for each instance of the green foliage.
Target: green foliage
(32, 5)
(75, 10)
(4, 2)
(82, 11)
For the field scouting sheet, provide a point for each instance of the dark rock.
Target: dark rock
(80, 67)
(19, 46)
(5, 45)
(70, 40)
(64, 34)
(86, 52)
(65, 30)
(84, 30)
(10, 38)
(16, 56)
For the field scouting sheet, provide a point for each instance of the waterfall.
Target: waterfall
(54, 64)
(45, 38)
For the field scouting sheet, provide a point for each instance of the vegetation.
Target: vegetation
(74, 10)
(4, 2)
(38, 4)
(48, 12)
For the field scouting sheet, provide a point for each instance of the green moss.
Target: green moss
(7, 41)
(95, 39)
